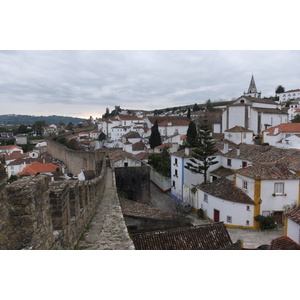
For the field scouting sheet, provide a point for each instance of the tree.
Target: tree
(191, 136)
(155, 139)
(70, 126)
(102, 136)
(280, 89)
(74, 145)
(161, 162)
(196, 107)
(203, 154)
(22, 129)
(38, 127)
(296, 119)
(209, 106)
(189, 113)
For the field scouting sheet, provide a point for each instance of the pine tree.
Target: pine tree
(196, 107)
(189, 114)
(191, 136)
(155, 139)
(203, 154)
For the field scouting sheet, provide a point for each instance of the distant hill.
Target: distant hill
(29, 120)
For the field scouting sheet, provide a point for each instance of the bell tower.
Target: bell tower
(252, 91)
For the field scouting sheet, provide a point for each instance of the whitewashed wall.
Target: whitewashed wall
(278, 203)
(237, 211)
(293, 231)
(161, 181)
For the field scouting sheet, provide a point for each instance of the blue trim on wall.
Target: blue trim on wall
(175, 198)
(182, 170)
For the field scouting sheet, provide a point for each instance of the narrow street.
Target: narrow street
(252, 238)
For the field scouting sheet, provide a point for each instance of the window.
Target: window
(248, 208)
(176, 173)
(244, 164)
(176, 161)
(174, 184)
(126, 164)
(279, 188)
(205, 198)
(229, 162)
(247, 223)
(229, 219)
(245, 185)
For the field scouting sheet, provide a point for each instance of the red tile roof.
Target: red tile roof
(294, 215)
(284, 243)
(15, 155)
(162, 146)
(238, 129)
(10, 147)
(268, 172)
(284, 127)
(138, 146)
(203, 237)
(129, 118)
(36, 167)
(225, 189)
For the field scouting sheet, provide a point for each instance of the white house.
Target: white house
(169, 128)
(279, 135)
(292, 224)
(182, 179)
(95, 134)
(10, 149)
(289, 95)
(238, 135)
(222, 201)
(273, 188)
(120, 158)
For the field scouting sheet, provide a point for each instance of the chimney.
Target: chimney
(225, 150)
(187, 151)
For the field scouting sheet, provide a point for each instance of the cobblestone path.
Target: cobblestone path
(107, 230)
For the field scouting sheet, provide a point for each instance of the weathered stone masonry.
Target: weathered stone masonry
(36, 214)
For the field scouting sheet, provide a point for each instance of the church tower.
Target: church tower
(252, 91)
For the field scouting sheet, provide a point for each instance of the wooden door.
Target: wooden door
(278, 217)
(216, 215)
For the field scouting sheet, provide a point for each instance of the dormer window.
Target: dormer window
(242, 101)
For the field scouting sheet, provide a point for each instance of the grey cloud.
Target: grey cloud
(57, 80)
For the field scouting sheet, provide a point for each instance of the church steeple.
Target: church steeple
(252, 91)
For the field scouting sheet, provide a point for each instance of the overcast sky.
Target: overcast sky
(84, 83)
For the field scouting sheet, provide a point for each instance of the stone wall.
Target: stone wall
(77, 160)
(134, 182)
(37, 214)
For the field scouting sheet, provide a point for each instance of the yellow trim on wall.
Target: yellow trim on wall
(257, 198)
(285, 224)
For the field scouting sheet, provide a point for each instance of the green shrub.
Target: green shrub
(267, 222)
(200, 213)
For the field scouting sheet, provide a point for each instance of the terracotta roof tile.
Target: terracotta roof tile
(238, 129)
(225, 189)
(294, 215)
(138, 146)
(203, 237)
(119, 154)
(36, 167)
(268, 172)
(284, 243)
(284, 127)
